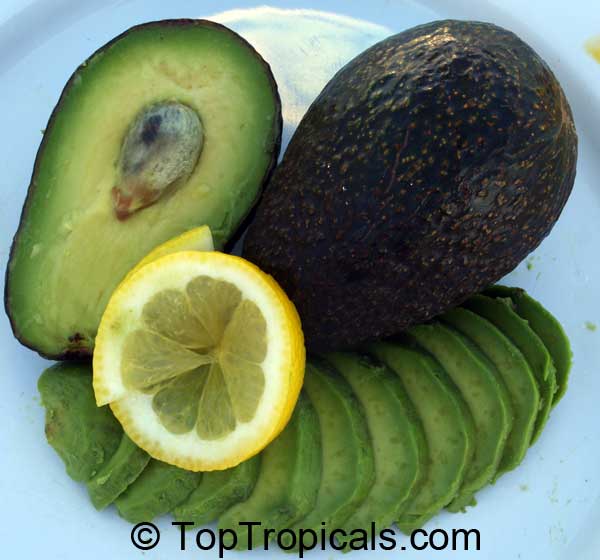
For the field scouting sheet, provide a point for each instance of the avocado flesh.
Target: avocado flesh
(395, 436)
(84, 436)
(117, 474)
(288, 482)
(428, 168)
(485, 396)
(347, 456)
(447, 424)
(218, 491)
(159, 489)
(500, 313)
(547, 327)
(70, 241)
(516, 374)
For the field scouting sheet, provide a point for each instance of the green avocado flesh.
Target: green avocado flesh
(516, 374)
(547, 327)
(499, 312)
(288, 482)
(486, 398)
(395, 436)
(207, 136)
(348, 471)
(218, 491)
(447, 425)
(159, 489)
(118, 473)
(84, 435)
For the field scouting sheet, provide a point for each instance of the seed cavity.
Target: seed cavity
(160, 151)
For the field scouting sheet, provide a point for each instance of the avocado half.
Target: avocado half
(171, 125)
(427, 169)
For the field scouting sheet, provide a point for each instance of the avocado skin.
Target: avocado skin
(78, 349)
(427, 169)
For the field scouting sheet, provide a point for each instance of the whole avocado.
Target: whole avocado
(427, 169)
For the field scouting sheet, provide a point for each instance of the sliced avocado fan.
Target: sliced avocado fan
(84, 436)
(348, 471)
(516, 374)
(486, 398)
(159, 489)
(218, 491)
(118, 473)
(447, 424)
(394, 434)
(397, 438)
(288, 481)
(547, 327)
(500, 312)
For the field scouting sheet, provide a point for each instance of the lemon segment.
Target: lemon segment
(201, 357)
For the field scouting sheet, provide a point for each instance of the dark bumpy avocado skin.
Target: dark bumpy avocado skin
(427, 168)
(78, 348)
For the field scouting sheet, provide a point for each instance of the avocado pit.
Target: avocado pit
(161, 149)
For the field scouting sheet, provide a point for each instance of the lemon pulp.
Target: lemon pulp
(199, 353)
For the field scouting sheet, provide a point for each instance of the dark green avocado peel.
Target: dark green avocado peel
(427, 169)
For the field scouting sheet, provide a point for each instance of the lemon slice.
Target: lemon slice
(197, 239)
(201, 358)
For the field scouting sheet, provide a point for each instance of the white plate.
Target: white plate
(548, 508)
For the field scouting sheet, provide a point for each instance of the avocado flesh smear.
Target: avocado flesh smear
(73, 246)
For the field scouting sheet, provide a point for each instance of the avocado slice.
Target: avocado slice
(348, 470)
(516, 374)
(547, 327)
(499, 311)
(288, 482)
(397, 438)
(177, 118)
(84, 436)
(118, 473)
(485, 395)
(159, 489)
(447, 424)
(218, 491)
(428, 168)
